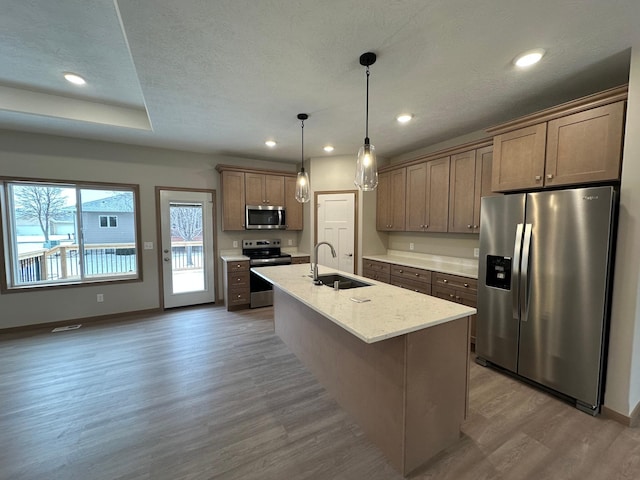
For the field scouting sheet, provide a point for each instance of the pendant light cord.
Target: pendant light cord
(302, 152)
(367, 109)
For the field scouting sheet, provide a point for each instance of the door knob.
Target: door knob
(349, 254)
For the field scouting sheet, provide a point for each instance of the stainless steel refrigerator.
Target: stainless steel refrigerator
(544, 288)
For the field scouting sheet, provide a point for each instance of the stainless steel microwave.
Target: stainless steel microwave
(264, 217)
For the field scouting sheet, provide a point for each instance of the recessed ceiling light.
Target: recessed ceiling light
(74, 78)
(404, 117)
(270, 143)
(328, 148)
(529, 58)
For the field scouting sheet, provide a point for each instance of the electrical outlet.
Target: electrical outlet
(100, 298)
(411, 246)
(476, 252)
(289, 242)
(235, 244)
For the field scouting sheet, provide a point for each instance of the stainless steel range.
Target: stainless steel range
(263, 253)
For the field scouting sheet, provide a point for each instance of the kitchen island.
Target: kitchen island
(396, 360)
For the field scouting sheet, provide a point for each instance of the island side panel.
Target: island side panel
(436, 401)
(367, 380)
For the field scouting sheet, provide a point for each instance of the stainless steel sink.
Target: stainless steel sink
(329, 279)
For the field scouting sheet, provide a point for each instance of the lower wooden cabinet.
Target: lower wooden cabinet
(237, 289)
(376, 270)
(457, 289)
(297, 260)
(411, 278)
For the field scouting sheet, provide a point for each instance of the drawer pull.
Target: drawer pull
(401, 271)
(417, 274)
(451, 295)
(445, 280)
(466, 284)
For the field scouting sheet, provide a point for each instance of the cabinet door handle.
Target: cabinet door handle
(417, 274)
(538, 178)
(400, 271)
(475, 226)
(549, 176)
(457, 298)
(445, 281)
(469, 226)
(466, 284)
(451, 295)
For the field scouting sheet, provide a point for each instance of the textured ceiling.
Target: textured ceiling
(222, 76)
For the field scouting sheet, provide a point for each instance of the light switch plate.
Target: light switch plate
(411, 246)
(235, 244)
(148, 245)
(476, 252)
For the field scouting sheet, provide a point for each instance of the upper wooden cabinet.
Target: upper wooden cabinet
(390, 202)
(427, 196)
(293, 208)
(470, 180)
(518, 161)
(232, 200)
(261, 189)
(579, 142)
(585, 147)
(247, 186)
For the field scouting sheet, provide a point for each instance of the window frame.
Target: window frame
(7, 223)
(108, 221)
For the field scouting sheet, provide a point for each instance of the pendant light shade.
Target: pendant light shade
(302, 182)
(367, 166)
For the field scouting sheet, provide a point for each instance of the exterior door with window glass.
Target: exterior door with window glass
(187, 247)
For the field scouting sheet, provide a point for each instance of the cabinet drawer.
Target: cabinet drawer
(238, 279)
(411, 284)
(238, 296)
(376, 266)
(411, 273)
(455, 295)
(453, 281)
(238, 266)
(376, 275)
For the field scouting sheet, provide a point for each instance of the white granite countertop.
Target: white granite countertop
(390, 312)
(233, 258)
(464, 267)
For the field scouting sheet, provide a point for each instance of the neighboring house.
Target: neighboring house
(30, 227)
(109, 220)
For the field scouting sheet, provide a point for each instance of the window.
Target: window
(67, 233)
(108, 221)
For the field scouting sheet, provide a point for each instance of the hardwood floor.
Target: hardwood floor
(203, 393)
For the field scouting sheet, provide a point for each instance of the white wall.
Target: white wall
(623, 381)
(60, 158)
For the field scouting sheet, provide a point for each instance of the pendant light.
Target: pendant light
(302, 182)
(367, 167)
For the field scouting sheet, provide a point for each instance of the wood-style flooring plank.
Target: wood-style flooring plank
(202, 393)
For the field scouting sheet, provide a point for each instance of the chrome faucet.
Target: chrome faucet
(315, 265)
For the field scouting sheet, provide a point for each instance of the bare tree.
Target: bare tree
(40, 203)
(186, 222)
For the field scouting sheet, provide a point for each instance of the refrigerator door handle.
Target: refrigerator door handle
(524, 284)
(515, 277)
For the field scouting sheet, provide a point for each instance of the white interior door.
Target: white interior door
(187, 247)
(336, 224)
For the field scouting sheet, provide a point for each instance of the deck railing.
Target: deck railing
(62, 261)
